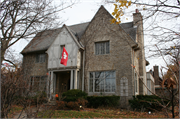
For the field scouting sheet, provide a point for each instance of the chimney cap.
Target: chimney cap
(137, 11)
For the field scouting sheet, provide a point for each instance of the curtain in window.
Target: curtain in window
(102, 48)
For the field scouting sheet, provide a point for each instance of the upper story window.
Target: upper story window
(40, 58)
(61, 50)
(102, 48)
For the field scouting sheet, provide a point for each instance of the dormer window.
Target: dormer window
(102, 48)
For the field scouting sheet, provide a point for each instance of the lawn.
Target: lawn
(103, 113)
(92, 113)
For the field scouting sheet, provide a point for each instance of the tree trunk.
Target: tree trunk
(172, 99)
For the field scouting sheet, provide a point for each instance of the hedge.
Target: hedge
(147, 102)
(73, 95)
(106, 101)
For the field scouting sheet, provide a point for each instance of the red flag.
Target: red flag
(64, 58)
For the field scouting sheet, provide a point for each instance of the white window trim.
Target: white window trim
(136, 85)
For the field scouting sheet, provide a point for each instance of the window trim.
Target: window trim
(93, 91)
(136, 84)
(105, 47)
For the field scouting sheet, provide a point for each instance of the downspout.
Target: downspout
(83, 71)
(133, 72)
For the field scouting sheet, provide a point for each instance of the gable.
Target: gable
(41, 41)
(101, 20)
(65, 37)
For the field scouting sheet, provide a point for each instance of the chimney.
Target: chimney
(137, 18)
(137, 11)
(156, 75)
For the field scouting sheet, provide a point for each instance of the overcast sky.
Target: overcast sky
(84, 11)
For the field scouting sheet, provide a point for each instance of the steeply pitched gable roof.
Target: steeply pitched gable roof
(128, 28)
(43, 40)
(124, 27)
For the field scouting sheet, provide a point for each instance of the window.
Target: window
(40, 58)
(38, 83)
(136, 85)
(102, 48)
(61, 50)
(104, 81)
(149, 87)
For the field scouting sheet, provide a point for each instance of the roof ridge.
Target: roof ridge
(78, 24)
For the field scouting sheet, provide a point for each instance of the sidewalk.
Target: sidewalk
(31, 113)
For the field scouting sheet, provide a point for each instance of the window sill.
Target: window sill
(39, 62)
(101, 54)
(101, 92)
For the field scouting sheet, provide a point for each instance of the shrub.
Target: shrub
(148, 102)
(73, 95)
(72, 99)
(73, 105)
(107, 101)
(39, 98)
(61, 105)
(82, 102)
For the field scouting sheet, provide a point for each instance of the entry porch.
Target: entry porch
(61, 81)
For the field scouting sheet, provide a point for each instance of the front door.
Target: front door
(62, 83)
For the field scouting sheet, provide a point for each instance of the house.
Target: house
(160, 84)
(150, 83)
(99, 60)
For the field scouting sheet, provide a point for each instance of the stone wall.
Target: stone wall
(31, 68)
(119, 59)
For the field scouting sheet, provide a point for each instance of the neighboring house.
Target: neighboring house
(150, 84)
(160, 89)
(100, 58)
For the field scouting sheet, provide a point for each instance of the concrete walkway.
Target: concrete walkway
(30, 111)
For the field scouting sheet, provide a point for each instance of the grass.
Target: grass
(102, 113)
(91, 113)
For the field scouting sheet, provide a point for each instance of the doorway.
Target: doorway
(62, 82)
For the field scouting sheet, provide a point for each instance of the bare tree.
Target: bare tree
(162, 33)
(20, 19)
(160, 19)
(11, 81)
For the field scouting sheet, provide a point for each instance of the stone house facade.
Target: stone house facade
(104, 58)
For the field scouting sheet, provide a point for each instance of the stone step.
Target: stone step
(52, 102)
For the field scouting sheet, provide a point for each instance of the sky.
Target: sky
(84, 11)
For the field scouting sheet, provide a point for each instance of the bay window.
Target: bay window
(102, 81)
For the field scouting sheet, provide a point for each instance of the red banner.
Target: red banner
(64, 58)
